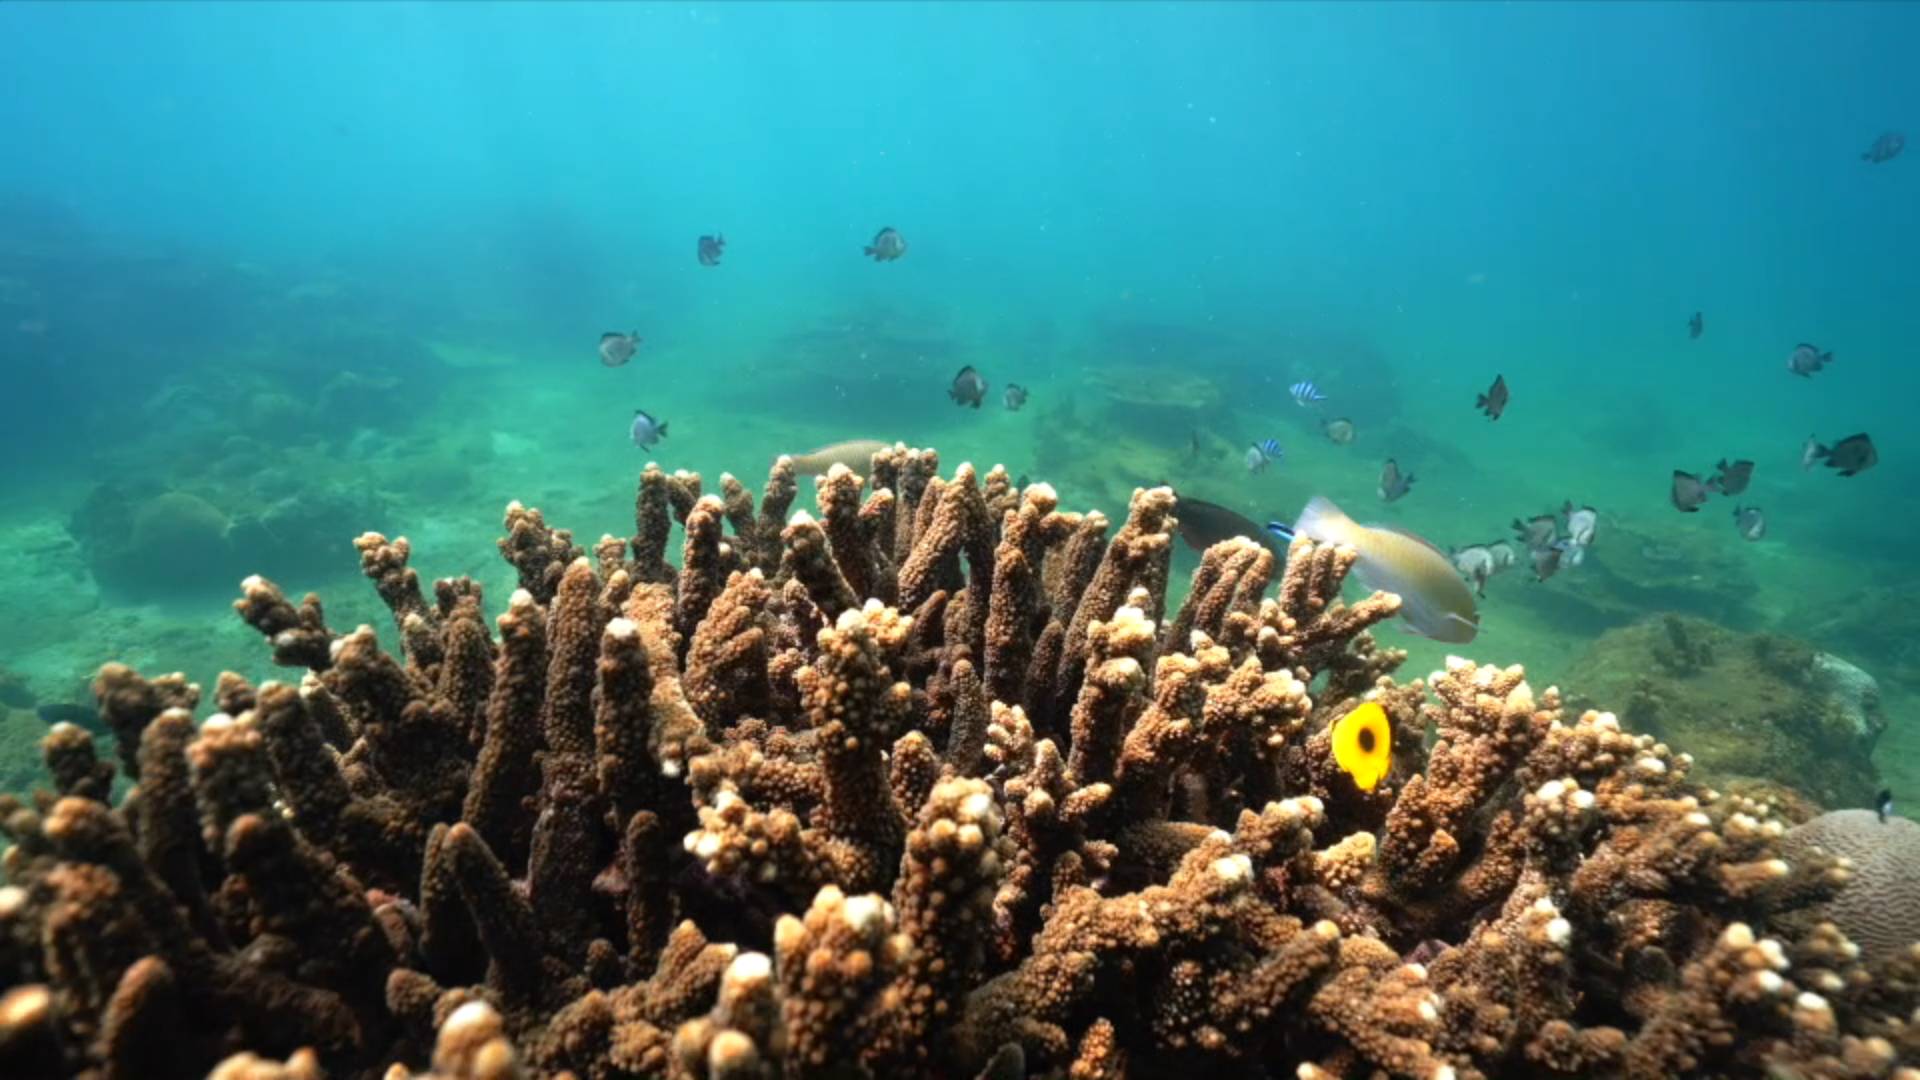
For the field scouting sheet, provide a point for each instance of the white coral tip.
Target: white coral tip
(1559, 932)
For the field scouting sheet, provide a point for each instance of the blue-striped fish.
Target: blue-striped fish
(1262, 454)
(1305, 393)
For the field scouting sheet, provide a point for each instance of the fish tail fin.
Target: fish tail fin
(663, 431)
(1479, 401)
(1827, 357)
(866, 251)
(1323, 522)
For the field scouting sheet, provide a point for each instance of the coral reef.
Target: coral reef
(929, 785)
(1876, 908)
(1746, 706)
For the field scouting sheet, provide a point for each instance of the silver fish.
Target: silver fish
(1811, 452)
(1475, 563)
(887, 245)
(1580, 524)
(1339, 430)
(1750, 521)
(1014, 397)
(616, 349)
(646, 430)
(1806, 359)
(1503, 555)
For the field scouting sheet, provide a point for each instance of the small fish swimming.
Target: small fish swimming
(646, 430)
(711, 248)
(1581, 524)
(1810, 452)
(1806, 359)
(1434, 602)
(1203, 524)
(1688, 492)
(1696, 326)
(1262, 454)
(855, 454)
(1852, 455)
(1475, 563)
(1305, 393)
(1339, 430)
(968, 388)
(1363, 745)
(1014, 397)
(1883, 804)
(1503, 556)
(1750, 521)
(887, 245)
(1547, 560)
(1571, 554)
(1393, 483)
(1537, 531)
(1731, 479)
(1494, 401)
(1885, 148)
(616, 349)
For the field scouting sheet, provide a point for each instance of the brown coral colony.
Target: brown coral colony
(929, 785)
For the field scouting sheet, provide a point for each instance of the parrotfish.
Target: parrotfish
(1434, 601)
(855, 454)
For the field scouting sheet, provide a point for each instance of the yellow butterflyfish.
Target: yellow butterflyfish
(1363, 744)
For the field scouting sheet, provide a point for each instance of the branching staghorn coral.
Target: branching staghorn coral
(919, 788)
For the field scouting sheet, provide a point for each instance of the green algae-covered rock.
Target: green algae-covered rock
(1757, 706)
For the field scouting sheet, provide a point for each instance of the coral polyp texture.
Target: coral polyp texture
(925, 783)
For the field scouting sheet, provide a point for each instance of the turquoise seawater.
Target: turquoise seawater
(273, 275)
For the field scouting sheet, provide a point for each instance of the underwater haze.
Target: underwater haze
(274, 275)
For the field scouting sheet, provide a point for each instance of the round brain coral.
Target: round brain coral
(1880, 908)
